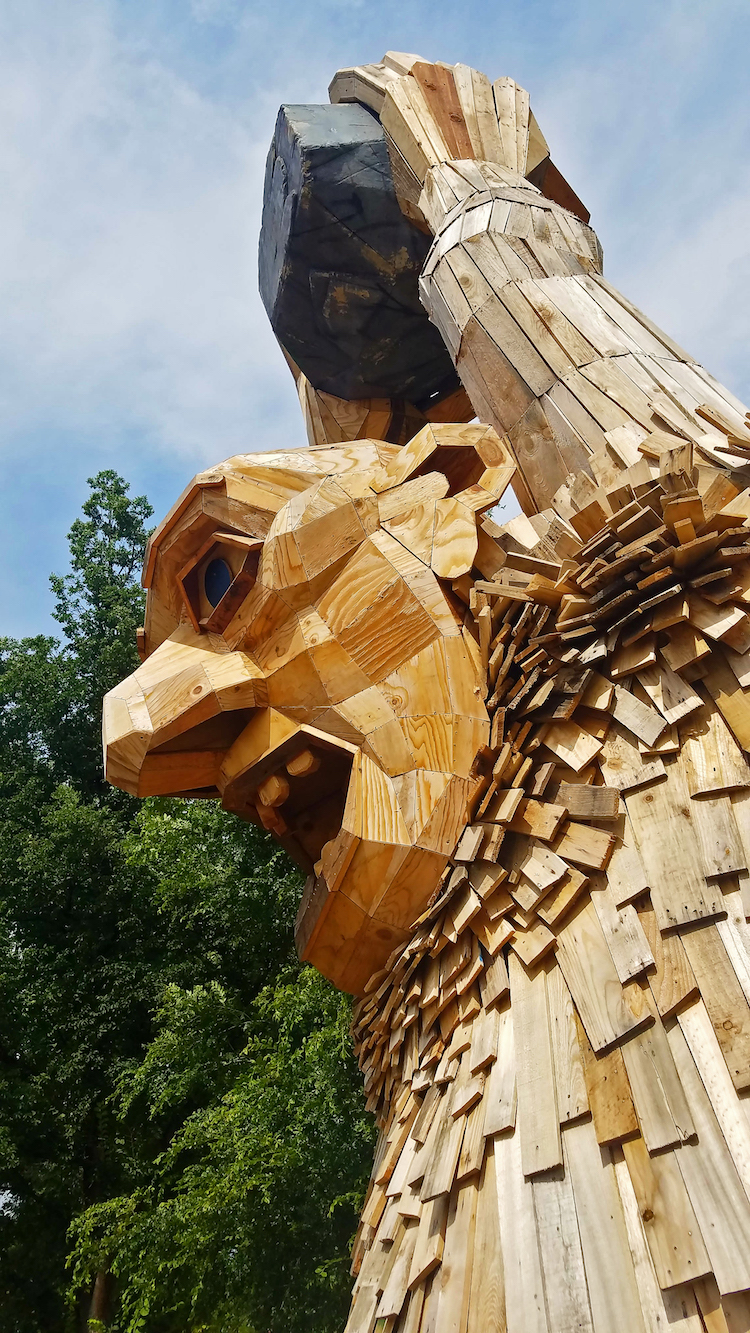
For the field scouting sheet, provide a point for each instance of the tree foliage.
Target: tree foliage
(179, 1109)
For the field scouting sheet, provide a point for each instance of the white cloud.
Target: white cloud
(133, 136)
(655, 131)
(127, 249)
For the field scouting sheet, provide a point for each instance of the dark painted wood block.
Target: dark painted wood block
(339, 263)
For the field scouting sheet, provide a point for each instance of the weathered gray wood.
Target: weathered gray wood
(538, 1122)
(613, 1293)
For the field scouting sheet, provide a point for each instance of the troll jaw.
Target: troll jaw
(332, 693)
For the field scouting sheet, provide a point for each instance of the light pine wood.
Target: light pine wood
(724, 1000)
(673, 982)
(501, 1091)
(677, 1308)
(674, 1238)
(608, 1091)
(625, 936)
(699, 1034)
(671, 854)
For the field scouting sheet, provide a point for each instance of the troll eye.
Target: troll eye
(217, 579)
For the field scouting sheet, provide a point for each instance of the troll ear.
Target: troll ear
(434, 525)
(463, 453)
(431, 493)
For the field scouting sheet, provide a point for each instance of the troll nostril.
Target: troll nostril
(198, 689)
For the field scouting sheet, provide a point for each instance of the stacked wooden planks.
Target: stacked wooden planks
(560, 1056)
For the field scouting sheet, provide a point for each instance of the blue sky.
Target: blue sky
(132, 142)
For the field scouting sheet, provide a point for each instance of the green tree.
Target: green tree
(156, 1029)
(246, 1220)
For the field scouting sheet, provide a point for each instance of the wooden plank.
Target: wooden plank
(412, 1319)
(440, 1120)
(608, 1091)
(542, 867)
(613, 1293)
(562, 897)
(538, 819)
(722, 852)
(430, 1244)
(455, 1270)
(472, 1148)
(394, 1295)
(685, 646)
(537, 1116)
(476, 99)
(663, 1113)
(713, 761)
(521, 353)
(671, 1228)
(493, 981)
(704, 1048)
(625, 873)
(721, 1205)
(525, 1309)
(484, 1040)
(673, 1309)
(571, 744)
(724, 999)
(722, 1314)
(636, 717)
(364, 1303)
(487, 1296)
(669, 849)
(587, 316)
(623, 932)
(673, 983)
(466, 1096)
(668, 692)
(561, 1255)
(532, 943)
(587, 802)
(499, 1099)
(622, 765)
(730, 699)
(735, 932)
(588, 847)
(608, 1010)
(570, 1082)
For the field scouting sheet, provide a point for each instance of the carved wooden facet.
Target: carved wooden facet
(512, 758)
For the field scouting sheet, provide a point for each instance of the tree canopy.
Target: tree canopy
(183, 1143)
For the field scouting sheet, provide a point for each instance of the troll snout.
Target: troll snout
(167, 727)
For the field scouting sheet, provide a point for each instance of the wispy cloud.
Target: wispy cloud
(133, 136)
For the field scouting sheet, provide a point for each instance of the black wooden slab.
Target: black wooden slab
(339, 262)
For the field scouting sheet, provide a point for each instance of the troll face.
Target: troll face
(306, 661)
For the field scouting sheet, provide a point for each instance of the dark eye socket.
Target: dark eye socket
(216, 580)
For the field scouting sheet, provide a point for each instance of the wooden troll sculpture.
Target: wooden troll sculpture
(512, 758)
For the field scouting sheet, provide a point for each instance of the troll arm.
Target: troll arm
(549, 352)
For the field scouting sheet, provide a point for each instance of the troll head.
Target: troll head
(308, 660)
